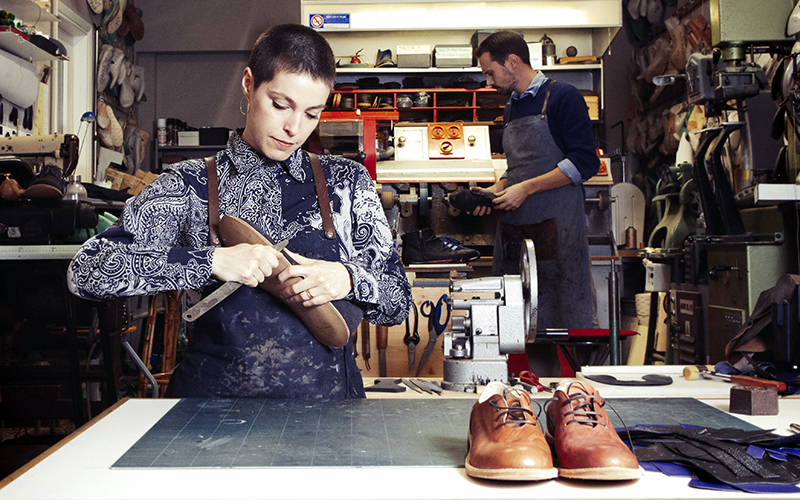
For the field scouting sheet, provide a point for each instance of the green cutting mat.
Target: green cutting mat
(226, 433)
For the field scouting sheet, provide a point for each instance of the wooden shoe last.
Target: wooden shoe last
(324, 321)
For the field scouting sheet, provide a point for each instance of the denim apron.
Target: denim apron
(252, 345)
(554, 220)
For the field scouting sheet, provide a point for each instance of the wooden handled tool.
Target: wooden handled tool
(693, 372)
(382, 334)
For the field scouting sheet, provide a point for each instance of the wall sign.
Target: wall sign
(329, 21)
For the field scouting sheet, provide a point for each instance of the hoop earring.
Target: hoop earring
(244, 111)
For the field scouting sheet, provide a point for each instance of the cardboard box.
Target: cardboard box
(593, 103)
(413, 56)
(535, 49)
(190, 138)
(452, 56)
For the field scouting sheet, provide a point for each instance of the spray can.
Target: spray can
(162, 131)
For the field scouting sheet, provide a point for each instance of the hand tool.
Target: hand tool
(411, 385)
(418, 383)
(410, 340)
(385, 385)
(219, 294)
(693, 372)
(528, 378)
(365, 347)
(430, 385)
(434, 327)
(382, 339)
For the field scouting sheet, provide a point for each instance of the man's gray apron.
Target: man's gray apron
(252, 345)
(553, 219)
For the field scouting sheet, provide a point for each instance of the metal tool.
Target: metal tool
(693, 372)
(365, 347)
(480, 337)
(528, 378)
(411, 385)
(422, 386)
(434, 327)
(382, 339)
(411, 340)
(219, 294)
(430, 385)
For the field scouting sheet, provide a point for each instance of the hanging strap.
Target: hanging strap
(213, 200)
(319, 185)
(322, 194)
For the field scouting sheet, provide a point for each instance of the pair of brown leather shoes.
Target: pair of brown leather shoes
(507, 443)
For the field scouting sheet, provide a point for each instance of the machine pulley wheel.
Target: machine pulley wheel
(530, 288)
(387, 199)
(423, 198)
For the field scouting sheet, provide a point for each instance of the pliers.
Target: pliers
(411, 340)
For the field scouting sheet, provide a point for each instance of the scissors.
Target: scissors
(527, 377)
(434, 312)
(411, 340)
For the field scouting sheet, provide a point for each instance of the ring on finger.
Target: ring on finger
(309, 294)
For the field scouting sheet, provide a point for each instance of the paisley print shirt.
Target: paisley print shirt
(161, 241)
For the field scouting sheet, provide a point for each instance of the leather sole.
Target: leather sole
(596, 473)
(512, 474)
(324, 321)
(602, 473)
(509, 473)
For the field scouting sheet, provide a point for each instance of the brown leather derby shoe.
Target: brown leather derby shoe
(586, 444)
(505, 440)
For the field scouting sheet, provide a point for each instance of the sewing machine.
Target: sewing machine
(480, 338)
(59, 149)
(41, 222)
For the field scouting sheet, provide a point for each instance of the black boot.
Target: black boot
(424, 247)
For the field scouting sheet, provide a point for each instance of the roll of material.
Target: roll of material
(20, 82)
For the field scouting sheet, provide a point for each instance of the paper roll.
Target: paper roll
(20, 82)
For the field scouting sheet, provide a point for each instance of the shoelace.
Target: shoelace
(584, 411)
(591, 417)
(514, 414)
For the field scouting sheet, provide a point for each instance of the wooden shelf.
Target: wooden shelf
(471, 109)
(378, 71)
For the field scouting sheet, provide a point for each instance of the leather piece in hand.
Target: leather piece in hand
(324, 321)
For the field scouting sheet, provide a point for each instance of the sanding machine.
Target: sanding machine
(485, 330)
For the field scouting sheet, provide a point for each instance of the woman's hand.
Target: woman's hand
(245, 263)
(322, 282)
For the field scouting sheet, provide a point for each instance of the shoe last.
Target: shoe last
(468, 200)
(505, 440)
(586, 444)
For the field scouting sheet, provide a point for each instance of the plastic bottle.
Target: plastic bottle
(75, 190)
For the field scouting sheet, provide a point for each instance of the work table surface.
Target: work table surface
(79, 467)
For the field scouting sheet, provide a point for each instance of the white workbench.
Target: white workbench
(79, 468)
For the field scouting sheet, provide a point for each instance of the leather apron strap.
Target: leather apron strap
(320, 185)
(213, 200)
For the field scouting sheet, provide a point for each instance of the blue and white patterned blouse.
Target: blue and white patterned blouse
(161, 240)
